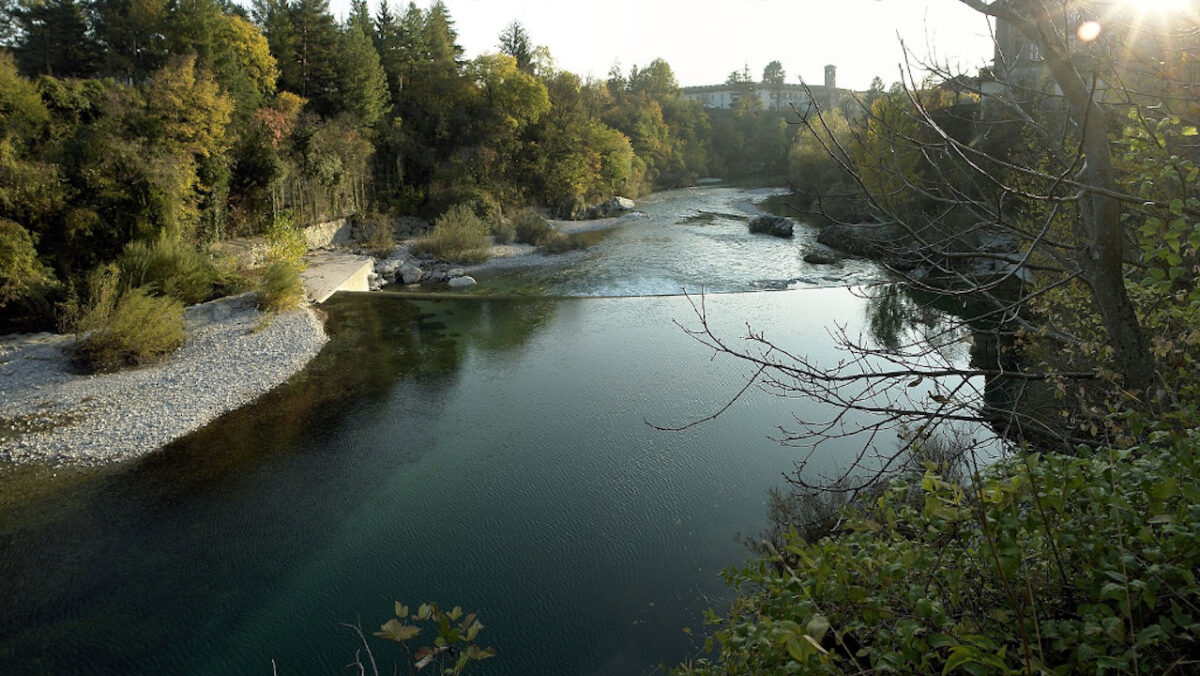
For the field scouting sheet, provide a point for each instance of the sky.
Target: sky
(705, 40)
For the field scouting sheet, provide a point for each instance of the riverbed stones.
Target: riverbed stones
(820, 257)
(463, 282)
(233, 355)
(410, 274)
(776, 226)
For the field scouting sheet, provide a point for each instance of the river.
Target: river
(495, 453)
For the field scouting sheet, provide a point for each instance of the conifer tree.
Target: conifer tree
(55, 40)
(313, 74)
(131, 33)
(362, 83)
(515, 42)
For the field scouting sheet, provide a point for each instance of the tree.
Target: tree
(1052, 221)
(515, 42)
(360, 15)
(54, 40)
(311, 69)
(1101, 260)
(773, 73)
(132, 34)
(362, 84)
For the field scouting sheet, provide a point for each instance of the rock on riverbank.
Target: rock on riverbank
(233, 355)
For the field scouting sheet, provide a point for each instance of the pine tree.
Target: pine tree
(390, 48)
(360, 15)
(55, 40)
(276, 20)
(316, 41)
(131, 33)
(515, 42)
(362, 83)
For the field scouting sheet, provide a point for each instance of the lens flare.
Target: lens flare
(1088, 31)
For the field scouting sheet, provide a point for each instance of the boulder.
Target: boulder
(411, 226)
(870, 240)
(820, 258)
(411, 274)
(777, 226)
(464, 282)
(571, 208)
(618, 204)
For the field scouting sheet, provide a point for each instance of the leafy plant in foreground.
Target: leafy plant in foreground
(1041, 564)
(453, 647)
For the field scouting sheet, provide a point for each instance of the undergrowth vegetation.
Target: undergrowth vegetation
(120, 327)
(1040, 564)
(458, 236)
(168, 268)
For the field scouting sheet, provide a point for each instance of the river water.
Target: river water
(487, 452)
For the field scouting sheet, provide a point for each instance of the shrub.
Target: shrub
(379, 237)
(124, 328)
(502, 230)
(458, 236)
(20, 270)
(286, 241)
(529, 227)
(169, 268)
(556, 242)
(1044, 564)
(280, 288)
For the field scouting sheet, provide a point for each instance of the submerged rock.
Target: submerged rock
(819, 257)
(411, 274)
(777, 226)
(464, 282)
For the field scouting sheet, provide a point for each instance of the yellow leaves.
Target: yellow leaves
(190, 108)
(250, 49)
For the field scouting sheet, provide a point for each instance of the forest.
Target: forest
(195, 121)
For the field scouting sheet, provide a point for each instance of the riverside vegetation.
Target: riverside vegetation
(159, 130)
(1077, 552)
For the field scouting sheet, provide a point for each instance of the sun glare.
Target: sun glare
(1158, 6)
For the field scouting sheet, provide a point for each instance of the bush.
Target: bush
(169, 268)
(556, 242)
(502, 230)
(530, 228)
(1055, 564)
(458, 236)
(280, 288)
(286, 241)
(379, 237)
(124, 328)
(21, 273)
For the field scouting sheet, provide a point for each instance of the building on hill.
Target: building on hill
(774, 96)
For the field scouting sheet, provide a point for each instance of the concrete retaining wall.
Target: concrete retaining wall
(336, 232)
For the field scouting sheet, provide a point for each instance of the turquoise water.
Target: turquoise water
(483, 452)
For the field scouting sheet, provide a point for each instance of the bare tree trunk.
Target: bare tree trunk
(1103, 258)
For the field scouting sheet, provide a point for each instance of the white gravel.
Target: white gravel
(233, 355)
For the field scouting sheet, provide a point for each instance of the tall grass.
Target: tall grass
(286, 241)
(280, 288)
(168, 267)
(121, 327)
(458, 236)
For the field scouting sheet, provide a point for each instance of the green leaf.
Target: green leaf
(817, 627)
(396, 631)
(1187, 131)
(1177, 206)
(799, 650)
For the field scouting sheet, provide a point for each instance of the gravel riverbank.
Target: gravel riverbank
(233, 355)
